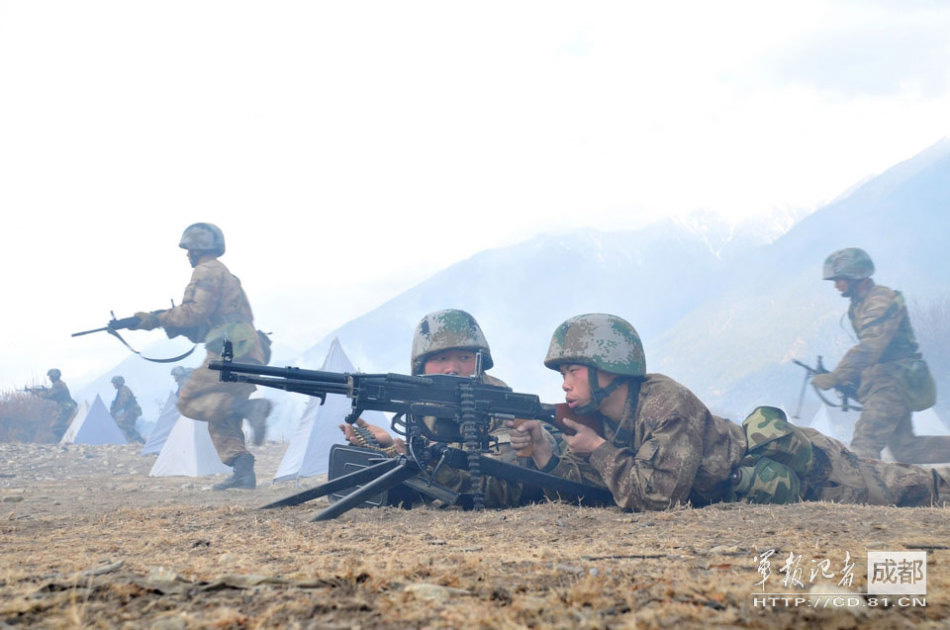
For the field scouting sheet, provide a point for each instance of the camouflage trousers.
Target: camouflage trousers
(886, 421)
(205, 397)
(126, 422)
(64, 416)
(788, 463)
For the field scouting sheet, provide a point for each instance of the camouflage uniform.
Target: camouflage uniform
(58, 393)
(667, 448)
(876, 366)
(215, 309)
(125, 409)
(215, 302)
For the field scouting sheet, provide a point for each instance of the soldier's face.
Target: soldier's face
(455, 362)
(576, 385)
(843, 286)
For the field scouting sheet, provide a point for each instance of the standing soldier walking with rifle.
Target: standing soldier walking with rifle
(58, 394)
(125, 409)
(885, 368)
(215, 309)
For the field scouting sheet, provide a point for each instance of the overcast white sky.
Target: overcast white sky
(350, 149)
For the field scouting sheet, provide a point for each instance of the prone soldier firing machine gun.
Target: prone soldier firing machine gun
(845, 393)
(459, 410)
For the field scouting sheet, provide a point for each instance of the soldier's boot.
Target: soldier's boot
(243, 476)
(256, 411)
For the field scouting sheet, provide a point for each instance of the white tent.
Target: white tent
(927, 422)
(95, 426)
(318, 429)
(163, 426)
(188, 452)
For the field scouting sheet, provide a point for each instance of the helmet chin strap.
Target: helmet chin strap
(598, 394)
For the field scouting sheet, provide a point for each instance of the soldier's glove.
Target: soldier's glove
(147, 321)
(824, 381)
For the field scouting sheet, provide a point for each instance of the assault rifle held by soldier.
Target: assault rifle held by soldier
(432, 412)
(126, 323)
(845, 393)
(132, 323)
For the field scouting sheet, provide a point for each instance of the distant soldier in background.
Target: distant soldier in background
(885, 369)
(181, 374)
(58, 393)
(125, 409)
(215, 309)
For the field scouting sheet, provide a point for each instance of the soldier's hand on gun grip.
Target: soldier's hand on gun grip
(147, 321)
(824, 381)
(584, 440)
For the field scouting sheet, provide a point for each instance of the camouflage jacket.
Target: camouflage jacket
(667, 449)
(125, 402)
(59, 394)
(880, 321)
(215, 304)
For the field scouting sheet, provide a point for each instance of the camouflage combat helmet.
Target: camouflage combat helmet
(203, 236)
(447, 330)
(118, 380)
(54, 374)
(597, 340)
(849, 263)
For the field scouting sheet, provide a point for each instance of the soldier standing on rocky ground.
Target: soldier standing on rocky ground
(58, 393)
(125, 409)
(657, 445)
(215, 309)
(885, 368)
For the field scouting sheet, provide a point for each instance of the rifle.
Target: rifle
(35, 389)
(131, 323)
(845, 393)
(432, 412)
(126, 323)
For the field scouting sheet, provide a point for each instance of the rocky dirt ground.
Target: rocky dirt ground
(89, 540)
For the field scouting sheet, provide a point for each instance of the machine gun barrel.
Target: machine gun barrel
(438, 395)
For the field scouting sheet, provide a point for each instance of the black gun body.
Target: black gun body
(436, 395)
(463, 409)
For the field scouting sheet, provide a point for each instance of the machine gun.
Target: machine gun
(130, 323)
(432, 412)
(845, 393)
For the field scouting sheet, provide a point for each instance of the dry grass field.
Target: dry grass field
(89, 540)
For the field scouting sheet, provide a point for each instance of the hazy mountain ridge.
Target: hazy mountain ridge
(777, 307)
(720, 306)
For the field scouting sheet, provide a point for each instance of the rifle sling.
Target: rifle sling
(115, 333)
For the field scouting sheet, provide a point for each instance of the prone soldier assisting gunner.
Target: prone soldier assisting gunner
(448, 342)
(125, 409)
(215, 309)
(654, 444)
(885, 368)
